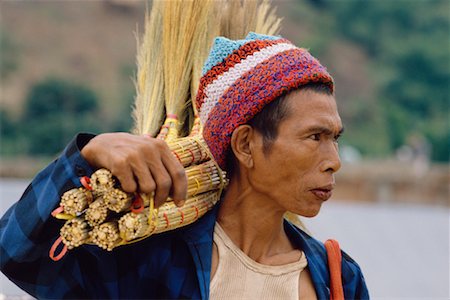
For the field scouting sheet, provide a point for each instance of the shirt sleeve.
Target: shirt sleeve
(27, 230)
(353, 279)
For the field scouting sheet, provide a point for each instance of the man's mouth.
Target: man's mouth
(323, 193)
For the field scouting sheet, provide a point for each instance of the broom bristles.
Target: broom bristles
(236, 20)
(267, 21)
(148, 110)
(208, 28)
(179, 39)
(245, 16)
(169, 72)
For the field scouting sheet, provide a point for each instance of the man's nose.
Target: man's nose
(331, 161)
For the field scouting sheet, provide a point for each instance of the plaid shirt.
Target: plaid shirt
(170, 265)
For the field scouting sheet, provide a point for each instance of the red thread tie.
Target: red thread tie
(167, 220)
(182, 216)
(196, 212)
(172, 116)
(192, 154)
(175, 153)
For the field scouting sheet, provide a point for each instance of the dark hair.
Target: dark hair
(266, 122)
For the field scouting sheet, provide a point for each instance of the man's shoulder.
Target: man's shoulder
(308, 243)
(353, 279)
(304, 240)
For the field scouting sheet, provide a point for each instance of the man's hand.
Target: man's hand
(141, 163)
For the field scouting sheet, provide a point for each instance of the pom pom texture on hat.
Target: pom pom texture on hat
(241, 77)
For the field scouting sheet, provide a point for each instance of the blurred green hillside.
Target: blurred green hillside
(67, 66)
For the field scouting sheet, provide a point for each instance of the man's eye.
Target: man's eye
(336, 138)
(315, 137)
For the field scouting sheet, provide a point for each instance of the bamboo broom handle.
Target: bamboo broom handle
(75, 232)
(169, 214)
(75, 201)
(106, 235)
(97, 212)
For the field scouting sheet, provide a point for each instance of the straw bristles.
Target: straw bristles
(208, 28)
(102, 181)
(75, 201)
(237, 18)
(148, 110)
(171, 70)
(106, 236)
(203, 178)
(117, 200)
(98, 223)
(267, 22)
(131, 226)
(169, 217)
(189, 150)
(96, 213)
(75, 232)
(240, 17)
(180, 24)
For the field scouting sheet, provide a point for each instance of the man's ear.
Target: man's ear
(241, 145)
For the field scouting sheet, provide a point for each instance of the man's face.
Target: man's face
(297, 173)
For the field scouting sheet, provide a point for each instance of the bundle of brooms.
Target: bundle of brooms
(177, 38)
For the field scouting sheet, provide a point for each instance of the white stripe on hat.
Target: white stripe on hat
(216, 88)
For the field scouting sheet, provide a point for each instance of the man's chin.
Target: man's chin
(311, 213)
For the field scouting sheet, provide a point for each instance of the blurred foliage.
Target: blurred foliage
(58, 97)
(410, 40)
(8, 55)
(407, 45)
(55, 110)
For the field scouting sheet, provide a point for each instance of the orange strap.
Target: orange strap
(138, 204)
(86, 182)
(53, 250)
(334, 264)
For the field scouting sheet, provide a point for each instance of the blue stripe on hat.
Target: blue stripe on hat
(222, 47)
(256, 36)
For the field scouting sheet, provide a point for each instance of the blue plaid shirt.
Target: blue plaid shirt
(170, 265)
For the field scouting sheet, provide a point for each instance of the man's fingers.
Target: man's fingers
(163, 185)
(178, 176)
(126, 178)
(144, 177)
(168, 173)
(144, 164)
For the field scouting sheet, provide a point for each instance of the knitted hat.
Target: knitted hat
(241, 77)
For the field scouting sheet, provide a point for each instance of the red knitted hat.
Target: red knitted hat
(241, 77)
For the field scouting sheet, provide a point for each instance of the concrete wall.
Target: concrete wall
(392, 181)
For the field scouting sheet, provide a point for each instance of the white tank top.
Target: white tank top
(239, 277)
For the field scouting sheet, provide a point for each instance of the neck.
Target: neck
(253, 223)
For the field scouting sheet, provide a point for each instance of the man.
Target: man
(270, 120)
